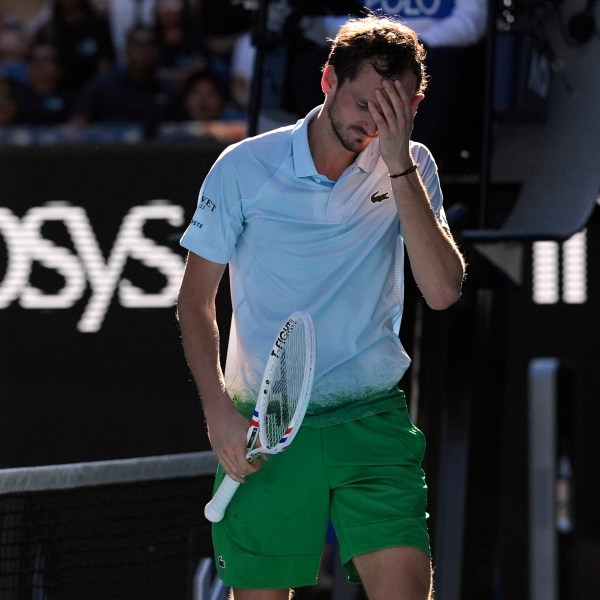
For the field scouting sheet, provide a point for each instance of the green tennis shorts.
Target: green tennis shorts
(364, 475)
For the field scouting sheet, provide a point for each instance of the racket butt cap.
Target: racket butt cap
(213, 515)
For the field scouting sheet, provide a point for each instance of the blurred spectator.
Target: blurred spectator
(45, 100)
(221, 24)
(21, 11)
(242, 70)
(312, 26)
(123, 15)
(446, 23)
(102, 7)
(32, 14)
(205, 98)
(182, 46)
(131, 93)
(296, 44)
(21, 16)
(13, 50)
(9, 102)
(205, 110)
(82, 38)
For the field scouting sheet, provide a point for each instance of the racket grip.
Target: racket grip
(215, 509)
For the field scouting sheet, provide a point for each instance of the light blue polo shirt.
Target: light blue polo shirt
(296, 241)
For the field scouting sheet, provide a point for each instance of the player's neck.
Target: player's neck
(330, 157)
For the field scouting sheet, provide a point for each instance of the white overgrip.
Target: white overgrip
(215, 509)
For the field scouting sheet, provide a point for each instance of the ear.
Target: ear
(415, 101)
(328, 80)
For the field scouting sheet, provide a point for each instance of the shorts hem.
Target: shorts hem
(388, 533)
(271, 572)
(350, 569)
(267, 585)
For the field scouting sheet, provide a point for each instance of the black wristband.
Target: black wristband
(409, 170)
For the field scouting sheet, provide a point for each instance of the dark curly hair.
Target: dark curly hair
(387, 44)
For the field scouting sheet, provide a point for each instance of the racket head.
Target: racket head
(287, 383)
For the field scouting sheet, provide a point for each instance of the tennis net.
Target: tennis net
(112, 529)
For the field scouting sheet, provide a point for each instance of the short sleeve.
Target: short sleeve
(218, 219)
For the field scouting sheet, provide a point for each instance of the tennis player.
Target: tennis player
(316, 217)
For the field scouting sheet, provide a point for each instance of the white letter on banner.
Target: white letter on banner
(52, 257)
(152, 255)
(18, 263)
(130, 241)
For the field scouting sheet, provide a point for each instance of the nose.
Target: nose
(370, 128)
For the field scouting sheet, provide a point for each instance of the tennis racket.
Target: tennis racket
(282, 400)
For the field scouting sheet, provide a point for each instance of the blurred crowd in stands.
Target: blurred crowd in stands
(173, 66)
(146, 62)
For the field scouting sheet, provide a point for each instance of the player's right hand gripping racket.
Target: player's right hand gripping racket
(282, 400)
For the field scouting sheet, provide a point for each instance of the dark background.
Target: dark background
(124, 390)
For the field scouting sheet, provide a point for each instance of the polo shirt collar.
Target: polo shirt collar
(303, 161)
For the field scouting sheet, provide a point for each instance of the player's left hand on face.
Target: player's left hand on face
(394, 114)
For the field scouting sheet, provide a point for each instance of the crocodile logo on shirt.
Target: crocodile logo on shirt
(377, 197)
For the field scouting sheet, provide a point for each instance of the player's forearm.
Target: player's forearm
(436, 263)
(226, 427)
(200, 337)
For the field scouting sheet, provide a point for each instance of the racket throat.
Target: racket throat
(252, 438)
